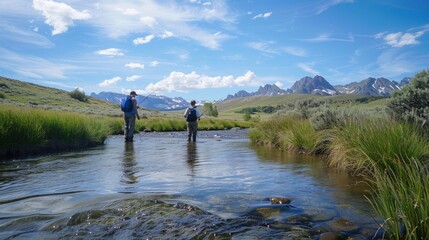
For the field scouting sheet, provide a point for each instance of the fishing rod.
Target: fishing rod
(146, 97)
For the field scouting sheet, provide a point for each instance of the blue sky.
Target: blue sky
(206, 49)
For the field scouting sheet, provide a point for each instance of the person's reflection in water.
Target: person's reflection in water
(129, 164)
(192, 157)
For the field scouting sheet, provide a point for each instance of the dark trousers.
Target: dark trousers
(192, 131)
(130, 121)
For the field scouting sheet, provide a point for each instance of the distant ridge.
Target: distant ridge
(320, 86)
(160, 103)
(267, 90)
(373, 86)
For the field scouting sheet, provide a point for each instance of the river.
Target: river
(162, 187)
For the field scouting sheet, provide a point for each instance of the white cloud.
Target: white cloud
(34, 67)
(308, 69)
(393, 62)
(59, 15)
(296, 51)
(263, 15)
(154, 63)
(22, 35)
(144, 40)
(279, 84)
(148, 21)
(263, 47)
(328, 38)
(328, 4)
(166, 34)
(400, 39)
(133, 78)
(267, 47)
(134, 65)
(110, 52)
(181, 82)
(109, 82)
(154, 17)
(129, 11)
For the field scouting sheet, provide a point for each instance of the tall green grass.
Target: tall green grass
(287, 133)
(27, 128)
(376, 143)
(393, 156)
(168, 124)
(401, 196)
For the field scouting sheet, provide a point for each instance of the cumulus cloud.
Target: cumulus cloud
(400, 39)
(133, 78)
(144, 40)
(308, 69)
(110, 52)
(59, 15)
(134, 65)
(109, 82)
(182, 82)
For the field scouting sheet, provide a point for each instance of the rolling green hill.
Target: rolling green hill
(24, 94)
(283, 103)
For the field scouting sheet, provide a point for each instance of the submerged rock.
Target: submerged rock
(342, 224)
(280, 200)
(330, 236)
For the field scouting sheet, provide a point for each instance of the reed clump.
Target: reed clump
(401, 196)
(34, 130)
(287, 133)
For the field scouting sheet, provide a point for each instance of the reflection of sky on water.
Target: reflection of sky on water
(224, 176)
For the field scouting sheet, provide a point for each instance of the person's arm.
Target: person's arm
(185, 114)
(135, 108)
(198, 113)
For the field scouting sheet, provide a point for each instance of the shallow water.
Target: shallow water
(162, 187)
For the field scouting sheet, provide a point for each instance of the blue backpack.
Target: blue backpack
(192, 115)
(126, 104)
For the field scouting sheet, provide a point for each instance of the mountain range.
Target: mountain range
(306, 85)
(150, 102)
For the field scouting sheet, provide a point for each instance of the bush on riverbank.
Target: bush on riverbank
(24, 131)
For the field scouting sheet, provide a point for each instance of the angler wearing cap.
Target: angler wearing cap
(129, 107)
(192, 114)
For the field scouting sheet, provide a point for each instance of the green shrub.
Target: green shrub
(79, 95)
(411, 103)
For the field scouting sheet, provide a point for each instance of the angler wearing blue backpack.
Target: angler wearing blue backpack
(192, 114)
(129, 107)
